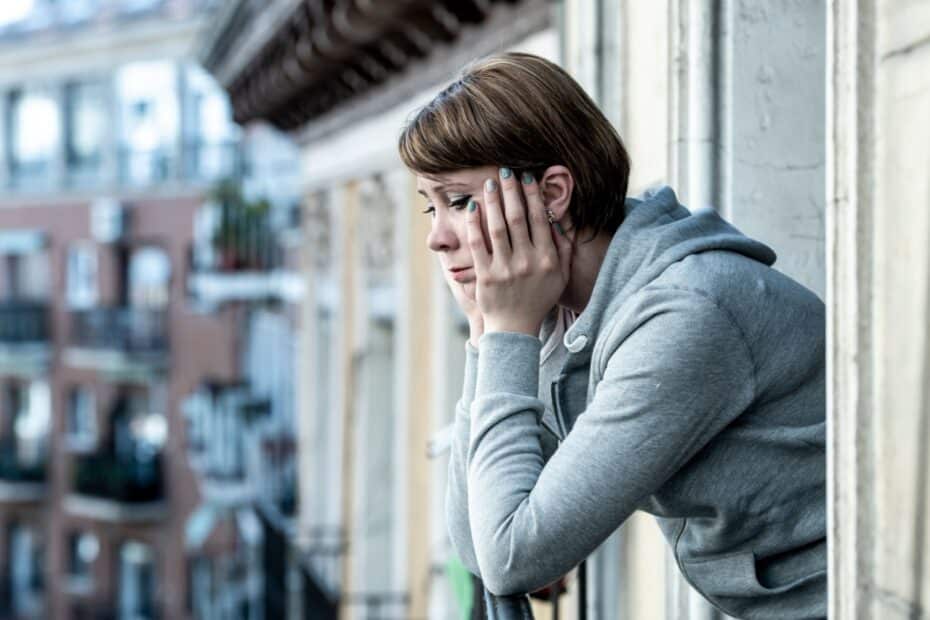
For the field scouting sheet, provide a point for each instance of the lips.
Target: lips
(460, 274)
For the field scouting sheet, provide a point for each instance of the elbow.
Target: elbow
(503, 577)
(510, 583)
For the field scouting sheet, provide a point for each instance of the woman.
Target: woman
(624, 355)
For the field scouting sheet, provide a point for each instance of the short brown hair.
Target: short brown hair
(526, 113)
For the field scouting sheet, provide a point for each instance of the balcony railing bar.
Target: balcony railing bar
(23, 322)
(125, 329)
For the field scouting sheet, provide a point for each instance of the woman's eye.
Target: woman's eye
(459, 203)
(429, 209)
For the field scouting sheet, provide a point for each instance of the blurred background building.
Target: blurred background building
(146, 331)
(228, 363)
(779, 115)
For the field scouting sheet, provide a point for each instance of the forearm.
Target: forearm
(456, 498)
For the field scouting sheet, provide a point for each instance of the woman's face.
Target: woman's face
(447, 196)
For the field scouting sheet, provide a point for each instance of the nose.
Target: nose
(441, 237)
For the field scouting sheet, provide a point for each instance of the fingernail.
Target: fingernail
(506, 173)
(490, 185)
(472, 205)
(527, 178)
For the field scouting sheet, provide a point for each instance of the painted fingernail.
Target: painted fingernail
(472, 205)
(527, 178)
(490, 185)
(506, 173)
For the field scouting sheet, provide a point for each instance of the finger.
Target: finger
(497, 226)
(476, 242)
(515, 212)
(539, 223)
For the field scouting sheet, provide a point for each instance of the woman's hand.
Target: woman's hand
(464, 295)
(526, 271)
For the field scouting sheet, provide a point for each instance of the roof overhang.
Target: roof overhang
(292, 61)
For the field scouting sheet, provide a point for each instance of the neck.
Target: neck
(587, 258)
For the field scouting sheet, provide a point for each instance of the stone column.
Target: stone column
(58, 173)
(5, 138)
(110, 145)
(878, 293)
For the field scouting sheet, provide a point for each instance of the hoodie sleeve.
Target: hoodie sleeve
(456, 504)
(679, 371)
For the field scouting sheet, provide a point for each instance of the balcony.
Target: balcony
(116, 488)
(218, 418)
(24, 336)
(119, 339)
(240, 256)
(22, 477)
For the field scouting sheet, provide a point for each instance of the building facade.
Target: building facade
(145, 329)
(789, 118)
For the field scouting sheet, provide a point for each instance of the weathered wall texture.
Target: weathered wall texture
(879, 291)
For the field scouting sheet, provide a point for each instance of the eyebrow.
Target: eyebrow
(442, 188)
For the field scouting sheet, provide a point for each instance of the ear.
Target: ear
(557, 185)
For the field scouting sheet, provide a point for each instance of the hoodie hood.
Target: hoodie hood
(656, 232)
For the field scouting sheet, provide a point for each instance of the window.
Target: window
(83, 549)
(86, 122)
(149, 278)
(25, 559)
(210, 145)
(81, 284)
(137, 581)
(35, 135)
(29, 405)
(81, 424)
(25, 276)
(149, 117)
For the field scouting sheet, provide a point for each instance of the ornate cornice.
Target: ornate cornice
(309, 56)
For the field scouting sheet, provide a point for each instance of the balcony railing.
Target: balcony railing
(23, 322)
(119, 479)
(13, 468)
(212, 161)
(133, 331)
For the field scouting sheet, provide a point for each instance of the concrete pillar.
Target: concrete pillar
(772, 63)
(415, 268)
(58, 172)
(110, 156)
(179, 168)
(878, 295)
(5, 136)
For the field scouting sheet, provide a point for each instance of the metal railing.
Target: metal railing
(244, 240)
(518, 607)
(14, 469)
(125, 329)
(23, 322)
(122, 479)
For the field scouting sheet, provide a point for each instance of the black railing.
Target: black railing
(518, 607)
(14, 469)
(244, 242)
(121, 479)
(124, 329)
(23, 322)
(110, 611)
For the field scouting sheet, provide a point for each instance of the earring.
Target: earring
(550, 215)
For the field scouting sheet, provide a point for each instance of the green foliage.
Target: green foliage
(244, 234)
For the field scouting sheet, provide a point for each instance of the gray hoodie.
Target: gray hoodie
(691, 387)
